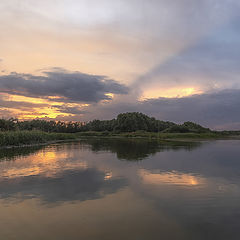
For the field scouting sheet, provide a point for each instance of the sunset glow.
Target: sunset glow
(169, 93)
(173, 178)
(74, 60)
(45, 163)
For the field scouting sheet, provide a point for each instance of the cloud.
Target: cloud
(210, 109)
(169, 44)
(20, 105)
(66, 109)
(10, 108)
(6, 113)
(131, 34)
(215, 109)
(218, 110)
(154, 16)
(66, 86)
(210, 63)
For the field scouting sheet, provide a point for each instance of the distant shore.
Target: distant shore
(30, 138)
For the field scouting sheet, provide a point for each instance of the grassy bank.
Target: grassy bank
(16, 138)
(153, 135)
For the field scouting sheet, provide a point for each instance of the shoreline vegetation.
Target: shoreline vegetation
(126, 125)
(32, 138)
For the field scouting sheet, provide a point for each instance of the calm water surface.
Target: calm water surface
(121, 189)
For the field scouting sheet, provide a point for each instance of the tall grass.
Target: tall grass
(163, 136)
(13, 138)
(154, 135)
(17, 138)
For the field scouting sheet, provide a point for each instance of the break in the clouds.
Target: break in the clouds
(65, 86)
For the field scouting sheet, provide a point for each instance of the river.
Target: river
(112, 189)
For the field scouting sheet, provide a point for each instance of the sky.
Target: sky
(79, 60)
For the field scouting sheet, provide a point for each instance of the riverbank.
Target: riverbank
(24, 138)
(29, 138)
(163, 136)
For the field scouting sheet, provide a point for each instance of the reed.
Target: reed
(16, 138)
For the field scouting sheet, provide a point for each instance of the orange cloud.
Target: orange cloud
(169, 92)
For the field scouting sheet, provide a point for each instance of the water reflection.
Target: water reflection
(137, 149)
(12, 153)
(80, 190)
(174, 178)
(74, 185)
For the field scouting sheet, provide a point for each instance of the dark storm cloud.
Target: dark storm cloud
(68, 86)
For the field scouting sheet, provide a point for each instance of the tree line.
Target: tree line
(125, 122)
(41, 125)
